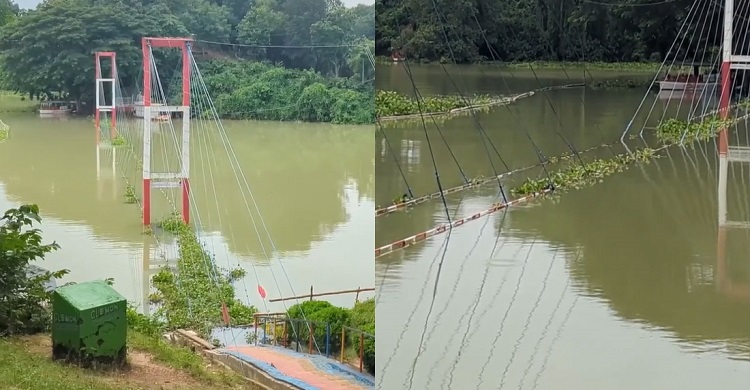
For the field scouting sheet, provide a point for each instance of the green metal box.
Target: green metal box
(89, 320)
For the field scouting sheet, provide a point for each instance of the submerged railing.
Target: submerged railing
(330, 339)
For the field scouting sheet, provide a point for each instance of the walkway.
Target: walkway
(308, 372)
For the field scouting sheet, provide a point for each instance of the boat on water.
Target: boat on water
(56, 108)
(695, 82)
(156, 116)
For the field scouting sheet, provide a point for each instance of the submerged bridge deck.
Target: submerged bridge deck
(301, 371)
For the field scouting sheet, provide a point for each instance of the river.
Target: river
(314, 185)
(616, 286)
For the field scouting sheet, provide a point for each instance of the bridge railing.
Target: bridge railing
(334, 340)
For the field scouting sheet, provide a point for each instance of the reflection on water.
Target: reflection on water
(313, 183)
(621, 285)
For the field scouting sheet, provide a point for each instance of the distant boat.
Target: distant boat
(56, 108)
(694, 82)
(397, 57)
(139, 112)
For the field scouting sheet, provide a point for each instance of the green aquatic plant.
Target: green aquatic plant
(392, 103)
(621, 83)
(575, 175)
(173, 223)
(4, 131)
(130, 196)
(119, 141)
(192, 297)
(669, 132)
(673, 131)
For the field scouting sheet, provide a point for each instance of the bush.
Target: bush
(361, 317)
(23, 295)
(320, 313)
(260, 91)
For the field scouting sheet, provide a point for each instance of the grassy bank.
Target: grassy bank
(597, 65)
(613, 66)
(26, 363)
(12, 102)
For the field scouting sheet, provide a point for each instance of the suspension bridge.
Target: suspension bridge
(156, 131)
(556, 268)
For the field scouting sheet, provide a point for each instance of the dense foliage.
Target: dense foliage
(23, 296)
(47, 52)
(525, 30)
(192, 297)
(322, 313)
(253, 90)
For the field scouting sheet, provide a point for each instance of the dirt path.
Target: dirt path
(142, 372)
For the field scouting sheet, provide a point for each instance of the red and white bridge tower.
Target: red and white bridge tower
(104, 103)
(166, 179)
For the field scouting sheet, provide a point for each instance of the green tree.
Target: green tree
(335, 29)
(523, 30)
(364, 25)
(49, 50)
(261, 23)
(8, 12)
(23, 294)
(203, 19)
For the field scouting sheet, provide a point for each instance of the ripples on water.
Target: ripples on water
(609, 287)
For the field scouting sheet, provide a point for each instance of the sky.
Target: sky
(33, 3)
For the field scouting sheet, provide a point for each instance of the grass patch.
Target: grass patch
(12, 102)
(181, 358)
(26, 363)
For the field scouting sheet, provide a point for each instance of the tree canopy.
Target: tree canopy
(50, 50)
(526, 30)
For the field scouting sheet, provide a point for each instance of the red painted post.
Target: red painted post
(726, 91)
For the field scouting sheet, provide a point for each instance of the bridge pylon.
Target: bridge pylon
(166, 179)
(105, 103)
(729, 154)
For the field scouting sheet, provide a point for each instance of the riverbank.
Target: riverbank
(613, 66)
(153, 363)
(13, 102)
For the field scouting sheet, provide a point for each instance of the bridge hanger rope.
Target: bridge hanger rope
(126, 128)
(485, 138)
(691, 16)
(452, 294)
(276, 46)
(501, 192)
(422, 294)
(245, 189)
(395, 159)
(165, 129)
(696, 112)
(525, 329)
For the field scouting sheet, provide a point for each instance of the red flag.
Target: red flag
(261, 291)
(225, 313)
